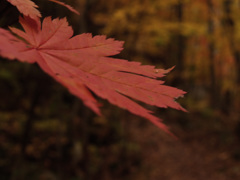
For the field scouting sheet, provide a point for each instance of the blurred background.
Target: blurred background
(48, 134)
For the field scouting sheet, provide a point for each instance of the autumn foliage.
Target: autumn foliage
(83, 64)
(48, 133)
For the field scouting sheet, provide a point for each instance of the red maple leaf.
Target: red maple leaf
(28, 8)
(83, 63)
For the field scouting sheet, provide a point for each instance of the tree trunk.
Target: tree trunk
(179, 45)
(214, 94)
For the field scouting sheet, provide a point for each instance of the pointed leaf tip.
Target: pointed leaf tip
(67, 6)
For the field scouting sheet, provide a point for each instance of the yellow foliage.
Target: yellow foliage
(157, 29)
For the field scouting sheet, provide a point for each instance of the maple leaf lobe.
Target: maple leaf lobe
(26, 7)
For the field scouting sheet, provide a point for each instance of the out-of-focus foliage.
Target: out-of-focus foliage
(201, 37)
(45, 133)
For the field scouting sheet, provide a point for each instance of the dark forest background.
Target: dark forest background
(48, 134)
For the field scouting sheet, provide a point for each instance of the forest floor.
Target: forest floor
(207, 148)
